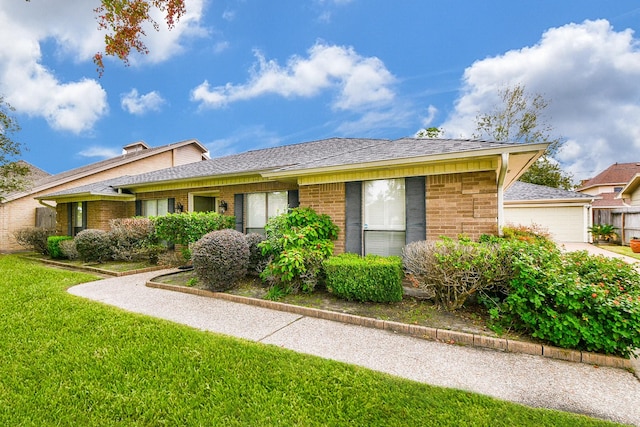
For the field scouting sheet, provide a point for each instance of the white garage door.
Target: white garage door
(565, 223)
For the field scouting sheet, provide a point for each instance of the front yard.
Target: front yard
(68, 361)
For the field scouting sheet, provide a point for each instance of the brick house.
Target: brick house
(23, 209)
(381, 193)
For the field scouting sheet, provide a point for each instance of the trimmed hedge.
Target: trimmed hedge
(370, 278)
(220, 259)
(53, 245)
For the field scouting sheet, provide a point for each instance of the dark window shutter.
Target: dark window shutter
(238, 211)
(415, 200)
(353, 220)
(138, 207)
(293, 199)
(172, 205)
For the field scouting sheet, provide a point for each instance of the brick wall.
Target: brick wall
(462, 204)
(327, 199)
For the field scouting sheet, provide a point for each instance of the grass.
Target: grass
(68, 361)
(622, 250)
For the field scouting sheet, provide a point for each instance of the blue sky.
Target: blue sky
(241, 74)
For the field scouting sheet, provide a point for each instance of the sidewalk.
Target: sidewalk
(607, 393)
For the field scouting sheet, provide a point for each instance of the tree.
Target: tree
(520, 118)
(13, 173)
(430, 133)
(123, 20)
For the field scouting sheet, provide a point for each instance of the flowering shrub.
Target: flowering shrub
(297, 242)
(573, 300)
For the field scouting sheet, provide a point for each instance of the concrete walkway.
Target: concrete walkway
(607, 393)
(595, 250)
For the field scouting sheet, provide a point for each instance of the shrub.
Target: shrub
(527, 233)
(34, 238)
(452, 271)
(93, 245)
(134, 239)
(220, 259)
(187, 228)
(257, 261)
(370, 278)
(53, 245)
(297, 242)
(68, 249)
(574, 300)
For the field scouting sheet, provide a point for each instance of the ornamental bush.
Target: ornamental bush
(451, 271)
(257, 261)
(188, 227)
(93, 245)
(370, 278)
(296, 243)
(134, 239)
(220, 259)
(68, 249)
(34, 238)
(573, 300)
(53, 245)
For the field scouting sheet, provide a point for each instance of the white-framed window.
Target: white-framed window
(155, 207)
(262, 206)
(384, 219)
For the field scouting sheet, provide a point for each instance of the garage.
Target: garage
(565, 214)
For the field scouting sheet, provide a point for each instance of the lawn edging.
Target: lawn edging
(424, 332)
(101, 270)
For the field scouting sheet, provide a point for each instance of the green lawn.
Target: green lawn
(622, 250)
(67, 361)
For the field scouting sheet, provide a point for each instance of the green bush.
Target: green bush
(296, 243)
(53, 245)
(451, 271)
(573, 300)
(220, 259)
(257, 261)
(134, 239)
(187, 228)
(93, 245)
(34, 238)
(370, 278)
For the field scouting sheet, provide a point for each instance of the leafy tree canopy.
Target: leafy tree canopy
(12, 173)
(519, 117)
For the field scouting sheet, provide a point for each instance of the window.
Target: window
(77, 217)
(156, 207)
(384, 217)
(262, 206)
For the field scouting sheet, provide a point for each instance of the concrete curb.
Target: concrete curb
(100, 270)
(424, 332)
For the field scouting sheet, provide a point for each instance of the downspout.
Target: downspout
(502, 174)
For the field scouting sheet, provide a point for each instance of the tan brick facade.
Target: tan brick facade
(327, 199)
(462, 204)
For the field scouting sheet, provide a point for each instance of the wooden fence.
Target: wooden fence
(626, 221)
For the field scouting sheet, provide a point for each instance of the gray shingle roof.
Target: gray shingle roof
(520, 191)
(300, 157)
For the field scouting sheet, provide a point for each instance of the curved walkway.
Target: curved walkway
(607, 393)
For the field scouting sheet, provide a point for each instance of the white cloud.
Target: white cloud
(134, 103)
(362, 83)
(234, 143)
(100, 152)
(589, 72)
(33, 89)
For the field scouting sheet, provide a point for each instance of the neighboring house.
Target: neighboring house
(21, 209)
(565, 214)
(381, 194)
(607, 185)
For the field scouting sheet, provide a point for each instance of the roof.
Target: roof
(616, 174)
(53, 180)
(523, 191)
(301, 158)
(608, 200)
